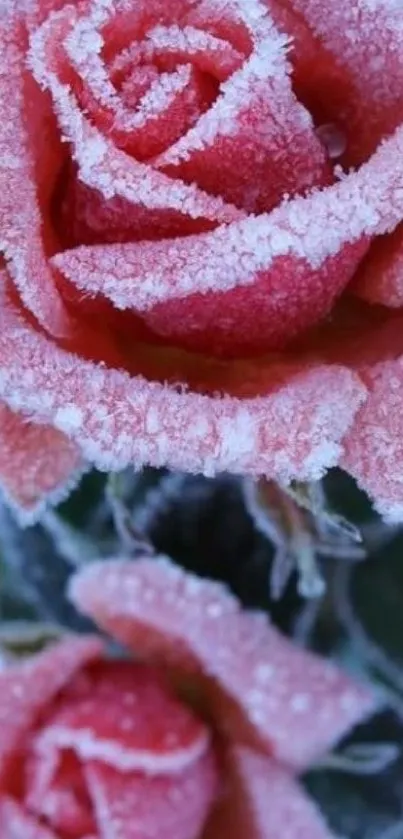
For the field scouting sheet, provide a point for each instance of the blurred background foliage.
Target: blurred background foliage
(268, 547)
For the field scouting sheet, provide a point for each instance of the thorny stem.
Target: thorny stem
(311, 583)
(158, 499)
(277, 515)
(302, 529)
(311, 497)
(305, 622)
(72, 545)
(133, 540)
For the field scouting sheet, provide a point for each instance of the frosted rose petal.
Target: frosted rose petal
(366, 40)
(380, 280)
(22, 228)
(38, 464)
(262, 687)
(256, 143)
(172, 102)
(264, 801)
(128, 718)
(113, 173)
(134, 806)
(118, 420)
(259, 253)
(92, 218)
(166, 109)
(168, 45)
(374, 446)
(270, 141)
(256, 316)
(101, 165)
(55, 791)
(254, 283)
(15, 823)
(26, 689)
(38, 10)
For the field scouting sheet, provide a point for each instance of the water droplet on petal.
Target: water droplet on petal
(333, 138)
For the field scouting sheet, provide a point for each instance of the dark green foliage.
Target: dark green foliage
(206, 526)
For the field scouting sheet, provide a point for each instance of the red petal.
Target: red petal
(374, 447)
(91, 219)
(256, 132)
(262, 687)
(56, 792)
(273, 143)
(293, 269)
(263, 801)
(256, 315)
(366, 41)
(254, 283)
(37, 464)
(380, 280)
(26, 689)
(23, 226)
(127, 717)
(169, 45)
(165, 111)
(15, 823)
(134, 806)
(102, 166)
(294, 431)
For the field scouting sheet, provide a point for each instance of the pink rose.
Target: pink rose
(93, 748)
(201, 214)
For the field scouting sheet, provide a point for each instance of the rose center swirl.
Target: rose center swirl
(187, 125)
